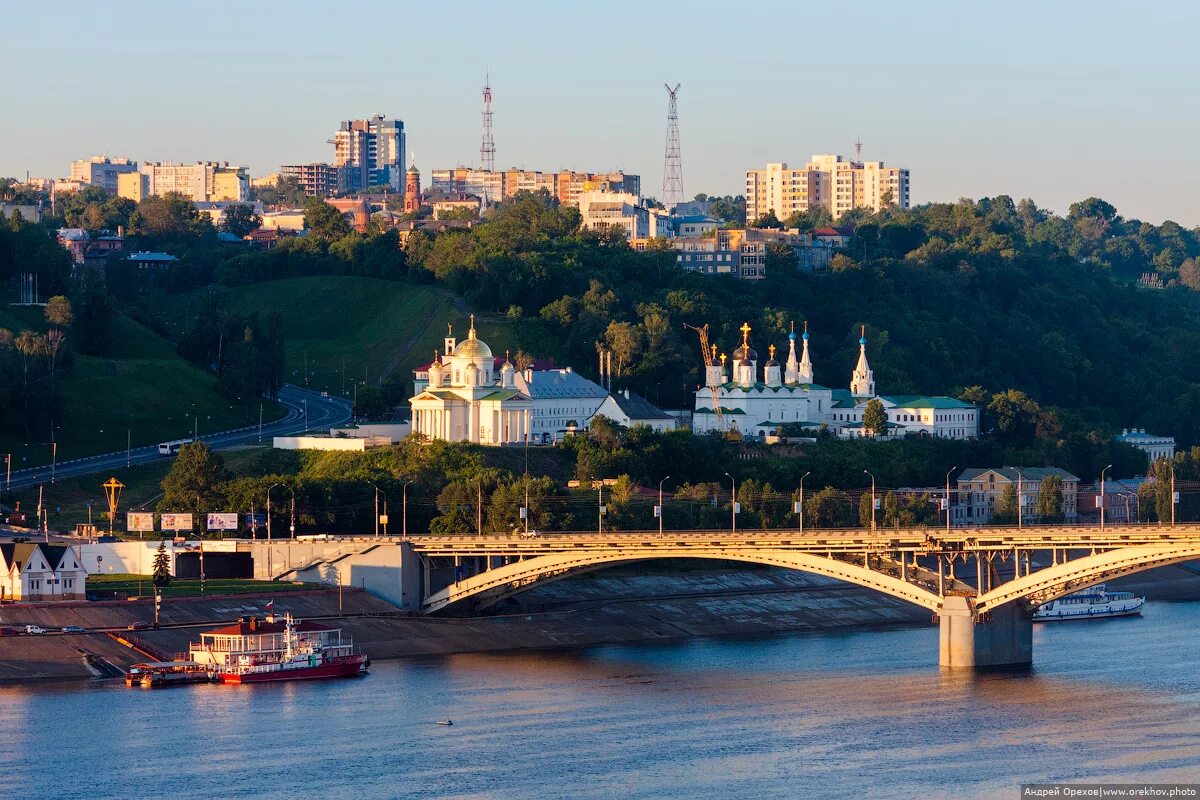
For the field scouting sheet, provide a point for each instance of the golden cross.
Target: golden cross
(745, 329)
(772, 349)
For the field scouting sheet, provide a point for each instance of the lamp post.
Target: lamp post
(800, 504)
(1020, 500)
(1102, 503)
(600, 509)
(404, 508)
(734, 503)
(479, 507)
(659, 510)
(948, 472)
(378, 491)
(269, 488)
(868, 472)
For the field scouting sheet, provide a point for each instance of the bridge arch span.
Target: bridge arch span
(505, 581)
(1050, 583)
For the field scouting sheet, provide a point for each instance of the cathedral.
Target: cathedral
(756, 404)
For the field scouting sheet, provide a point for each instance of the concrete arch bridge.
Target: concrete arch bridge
(982, 585)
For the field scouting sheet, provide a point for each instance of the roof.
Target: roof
(1142, 436)
(558, 383)
(243, 627)
(19, 554)
(503, 394)
(923, 401)
(829, 232)
(638, 408)
(1010, 473)
(148, 257)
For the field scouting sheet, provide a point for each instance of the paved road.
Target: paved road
(322, 413)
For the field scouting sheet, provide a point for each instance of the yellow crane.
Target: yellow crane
(710, 356)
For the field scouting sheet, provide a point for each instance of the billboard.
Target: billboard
(176, 522)
(223, 522)
(139, 521)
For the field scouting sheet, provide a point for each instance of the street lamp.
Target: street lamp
(800, 503)
(378, 491)
(734, 503)
(1106, 469)
(948, 472)
(1020, 499)
(404, 507)
(658, 512)
(868, 472)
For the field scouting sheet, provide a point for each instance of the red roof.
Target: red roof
(245, 627)
(828, 232)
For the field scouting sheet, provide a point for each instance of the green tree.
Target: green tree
(828, 508)
(875, 418)
(1050, 499)
(1005, 512)
(58, 311)
(326, 222)
(162, 566)
(240, 220)
(194, 481)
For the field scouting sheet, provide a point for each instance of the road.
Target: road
(322, 413)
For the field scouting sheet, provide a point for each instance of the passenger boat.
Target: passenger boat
(257, 651)
(156, 674)
(1092, 603)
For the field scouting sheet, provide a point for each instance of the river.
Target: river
(837, 714)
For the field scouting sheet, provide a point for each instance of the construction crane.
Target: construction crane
(710, 356)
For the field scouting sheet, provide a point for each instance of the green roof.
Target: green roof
(503, 394)
(924, 401)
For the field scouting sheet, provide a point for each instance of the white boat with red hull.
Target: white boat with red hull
(259, 651)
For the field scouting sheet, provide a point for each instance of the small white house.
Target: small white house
(630, 410)
(39, 572)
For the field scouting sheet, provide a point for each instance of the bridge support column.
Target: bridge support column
(1004, 639)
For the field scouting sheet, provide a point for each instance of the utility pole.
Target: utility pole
(734, 503)
(658, 512)
(128, 447)
(800, 505)
(872, 498)
(53, 459)
(1102, 495)
(404, 509)
(260, 417)
(376, 510)
(479, 509)
(8, 472)
(948, 472)
(293, 491)
(1174, 495)
(1020, 500)
(601, 509)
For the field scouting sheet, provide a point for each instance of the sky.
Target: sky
(1054, 101)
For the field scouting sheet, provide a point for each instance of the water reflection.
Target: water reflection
(765, 717)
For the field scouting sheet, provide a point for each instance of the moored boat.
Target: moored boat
(1092, 603)
(156, 674)
(257, 651)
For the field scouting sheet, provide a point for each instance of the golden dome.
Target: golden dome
(474, 349)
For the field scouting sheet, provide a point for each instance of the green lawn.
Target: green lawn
(367, 324)
(144, 393)
(143, 586)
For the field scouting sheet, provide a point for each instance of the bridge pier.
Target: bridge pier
(1003, 639)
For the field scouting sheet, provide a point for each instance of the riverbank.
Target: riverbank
(609, 607)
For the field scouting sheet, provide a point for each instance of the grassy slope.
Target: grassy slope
(370, 323)
(143, 387)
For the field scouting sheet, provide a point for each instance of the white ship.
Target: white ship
(1091, 603)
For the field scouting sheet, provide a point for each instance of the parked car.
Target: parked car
(34, 629)
(138, 626)
(73, 629)
(6, 630)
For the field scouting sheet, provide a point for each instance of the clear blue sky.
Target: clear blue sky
(1055, 101)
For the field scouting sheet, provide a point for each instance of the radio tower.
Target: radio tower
(672, 191)
(858, 149)
(487, 150)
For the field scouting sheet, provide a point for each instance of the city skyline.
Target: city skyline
(970, 115)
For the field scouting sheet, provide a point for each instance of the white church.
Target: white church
(469, 395)
(756, 404)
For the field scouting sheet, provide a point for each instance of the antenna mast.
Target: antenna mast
(672, 191)
(858, 149)
(487, 150)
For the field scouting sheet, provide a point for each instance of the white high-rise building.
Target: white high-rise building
(826, 180)
(101, 171)
(370, 152)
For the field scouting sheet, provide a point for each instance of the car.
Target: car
(6, 630)
(34, 629)
(73, 629)
(529, 534)
(138, 626)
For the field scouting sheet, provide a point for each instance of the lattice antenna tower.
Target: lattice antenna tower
(487, 149)
(672, 191)
(858, 150)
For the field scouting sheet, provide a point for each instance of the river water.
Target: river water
(847, 714)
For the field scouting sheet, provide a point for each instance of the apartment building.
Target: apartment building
(101, 171)
(567, 185)
(317, 180)
(614, 211)
(826, 181)
(370, 152)
(204, 181)
(980, 490)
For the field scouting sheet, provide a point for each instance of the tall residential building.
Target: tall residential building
(614, 210)
(203, 181)
(566, 185)
(101, 171)
(318, 180)
(826, 180)
(370, 152)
